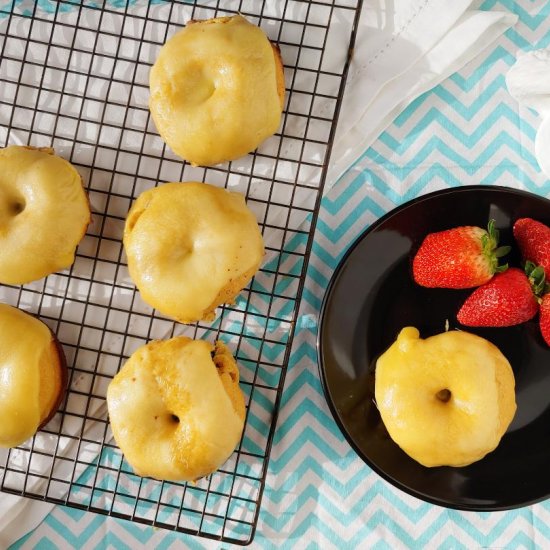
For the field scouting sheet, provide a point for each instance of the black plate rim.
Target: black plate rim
(320, 361)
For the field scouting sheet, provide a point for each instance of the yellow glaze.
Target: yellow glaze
(434, 431)
(214, 90)
(44, 213)
(191, 247)
(29, 375)
(176, 412)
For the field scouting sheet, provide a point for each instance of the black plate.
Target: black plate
(372, 296)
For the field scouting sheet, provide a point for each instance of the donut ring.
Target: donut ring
(191, 247)
(446, 400)
(44, 213)
(176, 409)
(34, 375)
(217, 90)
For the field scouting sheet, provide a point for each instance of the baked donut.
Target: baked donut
(446, 400)
(33, 375)
(217, 90)
(191, 247)
(44, 213)
(176, 409)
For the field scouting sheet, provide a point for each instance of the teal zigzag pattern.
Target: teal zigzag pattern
(319, 494)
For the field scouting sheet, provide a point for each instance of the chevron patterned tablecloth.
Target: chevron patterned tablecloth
(319, 493)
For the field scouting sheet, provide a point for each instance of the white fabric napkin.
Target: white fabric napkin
(19, 515)
(405, 48)
(528, 82)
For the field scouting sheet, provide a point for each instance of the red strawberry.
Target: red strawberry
(544, 319)
(506, 300)
(533, 239)
(462, 257)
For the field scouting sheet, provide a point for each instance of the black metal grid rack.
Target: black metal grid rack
(74, 76)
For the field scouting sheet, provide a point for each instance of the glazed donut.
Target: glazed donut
(446, 400)
(191, 247)
(44, 213)
(176, 409)
(32, 375)
(217, 90)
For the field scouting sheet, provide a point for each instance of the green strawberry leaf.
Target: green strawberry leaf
(493, 233)
(489, 244)
(537, 278)
(502, 251)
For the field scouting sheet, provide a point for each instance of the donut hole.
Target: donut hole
(179, 252)
(444, 395)
(17, 206)
(196, 85)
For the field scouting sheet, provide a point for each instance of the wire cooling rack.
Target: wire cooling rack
(74, 76)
